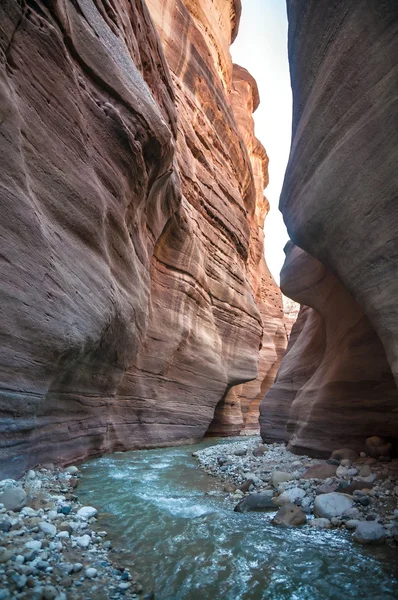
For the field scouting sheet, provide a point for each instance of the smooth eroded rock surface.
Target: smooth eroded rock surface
(134, 290)
(337, 383)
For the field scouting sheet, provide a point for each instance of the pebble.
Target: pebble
(91, 573)
(314, 478)
(83, 541)
(47, 528)
(87, 512)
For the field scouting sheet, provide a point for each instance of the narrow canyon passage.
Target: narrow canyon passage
(178, 531)
(140, 321)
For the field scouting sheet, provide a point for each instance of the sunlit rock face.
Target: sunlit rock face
(339, 204)
(239, 409)
(129, 206)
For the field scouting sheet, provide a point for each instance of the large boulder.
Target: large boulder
(332, 505)
(369, 532)
(290, 515)
(13, 498)
(256, 502)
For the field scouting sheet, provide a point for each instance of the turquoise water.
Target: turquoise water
(186, 543)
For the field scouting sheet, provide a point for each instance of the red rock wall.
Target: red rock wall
(336, 384)
(128, 202)
(238, 411)
(335, 387)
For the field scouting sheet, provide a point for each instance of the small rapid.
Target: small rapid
(179, 534)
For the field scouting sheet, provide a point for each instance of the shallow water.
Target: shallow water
(188, 545)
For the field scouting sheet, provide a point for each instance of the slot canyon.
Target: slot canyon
(137, 310)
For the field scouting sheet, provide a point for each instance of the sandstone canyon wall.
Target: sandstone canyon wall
(337, 383)
(134, 289)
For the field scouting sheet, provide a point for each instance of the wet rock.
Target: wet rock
(256, 502)
(13, 498)
(369, 532)
(290, 515)
(345, 453)
(332, 505)
(322, 471)
(321, 523)
(280, 477)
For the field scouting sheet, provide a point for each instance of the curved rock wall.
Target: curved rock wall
(238, 411)
(335, 387)
(336, 383)
(126, 308)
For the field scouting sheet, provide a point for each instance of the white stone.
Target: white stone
(91, 573)
(33, 545)
(47, 528)
(27, 511)
(86, 512)
(63, 534)
(72, 470)
(341, 471)
(332, 505)
(83, 541)
(55, 546)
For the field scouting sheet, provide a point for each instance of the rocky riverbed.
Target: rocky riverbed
(356, 492)
(50, 546)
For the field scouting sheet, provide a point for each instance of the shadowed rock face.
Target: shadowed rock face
(336, 384)
(126, 310)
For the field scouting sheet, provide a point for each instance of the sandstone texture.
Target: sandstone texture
(337, 383)
(134, 292)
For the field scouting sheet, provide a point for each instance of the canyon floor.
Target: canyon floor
(359, 493)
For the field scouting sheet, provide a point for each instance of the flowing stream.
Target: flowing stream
(181, 536)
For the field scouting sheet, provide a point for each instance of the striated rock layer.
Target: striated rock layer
(129, 238)
(337, 383)
(238, 411)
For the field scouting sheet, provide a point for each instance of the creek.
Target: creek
(180, 535)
